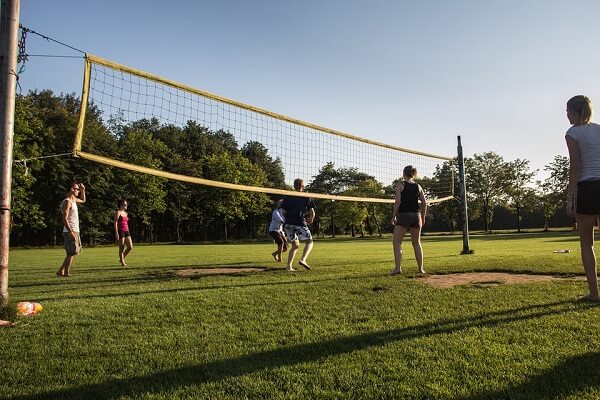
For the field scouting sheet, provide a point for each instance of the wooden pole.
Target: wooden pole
(9, 30)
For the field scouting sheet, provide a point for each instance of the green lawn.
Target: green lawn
(344, 330)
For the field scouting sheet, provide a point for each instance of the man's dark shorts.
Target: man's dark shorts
(588, 198)
(73, 247)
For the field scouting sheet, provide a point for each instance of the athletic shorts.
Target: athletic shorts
(73, 247)
(588, 198)
(409, 219)
(124, 234)
(277, 236)
(297, 232)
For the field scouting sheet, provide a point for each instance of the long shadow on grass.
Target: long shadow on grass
(574, 375)
(71, 296)
(166, 381)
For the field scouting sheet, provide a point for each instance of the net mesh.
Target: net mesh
(129, 95)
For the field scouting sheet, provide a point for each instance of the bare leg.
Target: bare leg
(585, 223)
(65, 268)
(415, 237)
(277, 253)
(121, 250)
(292, 254)
(308, 245)
(399, 232)
(129, 245)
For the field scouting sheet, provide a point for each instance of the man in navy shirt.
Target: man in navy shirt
(298, 212)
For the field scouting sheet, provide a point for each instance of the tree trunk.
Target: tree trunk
(518, 217)
(376, 222)
(485, 216)
(332, 222)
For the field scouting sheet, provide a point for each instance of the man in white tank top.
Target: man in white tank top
(70, 218)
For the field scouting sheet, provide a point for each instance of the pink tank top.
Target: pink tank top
(122, 223)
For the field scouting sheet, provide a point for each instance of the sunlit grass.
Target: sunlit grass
(344, 330)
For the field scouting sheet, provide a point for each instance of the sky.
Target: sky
(411, 74)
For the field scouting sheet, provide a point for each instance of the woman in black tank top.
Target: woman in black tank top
(408, 214)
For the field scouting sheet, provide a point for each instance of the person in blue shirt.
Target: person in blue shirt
(298, 213)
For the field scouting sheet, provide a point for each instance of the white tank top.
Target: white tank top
(73, 217)
(588, 139)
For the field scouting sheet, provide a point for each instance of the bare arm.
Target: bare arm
(423, 205)
(311, 215)
(116, 222)
(81, 198)
(574, 173)
(399, 189)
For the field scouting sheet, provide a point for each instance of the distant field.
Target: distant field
(344, 330)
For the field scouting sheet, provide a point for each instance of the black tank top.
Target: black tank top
(409, 197)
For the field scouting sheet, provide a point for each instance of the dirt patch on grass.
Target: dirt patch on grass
(189, 272)
(487, 279)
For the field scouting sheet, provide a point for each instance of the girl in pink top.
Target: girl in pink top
(122, 235)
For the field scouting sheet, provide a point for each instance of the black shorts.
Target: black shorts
(409, 219)
(588, 198)
(277, 236)
(124, 234)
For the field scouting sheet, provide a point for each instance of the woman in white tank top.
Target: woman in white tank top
(583, 195)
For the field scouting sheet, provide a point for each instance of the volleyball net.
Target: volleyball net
(129, 96)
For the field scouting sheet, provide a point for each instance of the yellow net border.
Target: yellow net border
(91, 59)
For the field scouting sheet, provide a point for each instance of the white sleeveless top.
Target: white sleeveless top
(73, 217)
(588, 139)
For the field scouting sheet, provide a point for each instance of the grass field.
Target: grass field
(346, 330)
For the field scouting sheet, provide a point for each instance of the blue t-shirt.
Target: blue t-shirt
(295, 208)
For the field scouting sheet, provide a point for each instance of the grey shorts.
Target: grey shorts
(409, 219)
(73, 248)
(297, 232)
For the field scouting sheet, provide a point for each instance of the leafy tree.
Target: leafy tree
(25, 211)
(558, 181)
(259, 155)
(233, 205)
(553, 190)
(518, 190)
(446, 212)
(487, 178)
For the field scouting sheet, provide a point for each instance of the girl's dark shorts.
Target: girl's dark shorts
(124, 234)
(588, 198)
(409, 219)
(278, 237)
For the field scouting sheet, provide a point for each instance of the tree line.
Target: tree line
(501, 194)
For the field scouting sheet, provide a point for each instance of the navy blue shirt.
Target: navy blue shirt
(295, 208)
